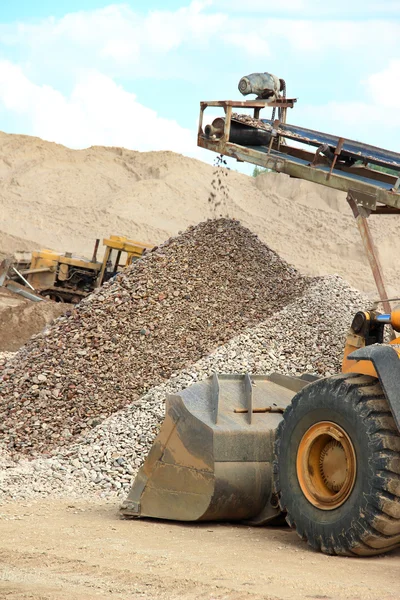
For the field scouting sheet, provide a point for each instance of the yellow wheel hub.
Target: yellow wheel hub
(326, 465)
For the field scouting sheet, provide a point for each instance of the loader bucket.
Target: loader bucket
(212, 459)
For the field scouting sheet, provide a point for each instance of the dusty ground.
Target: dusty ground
(59, 550)
(21, 318)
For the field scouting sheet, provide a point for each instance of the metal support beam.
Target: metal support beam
(228, 117)
(338, 151)
(370, 251)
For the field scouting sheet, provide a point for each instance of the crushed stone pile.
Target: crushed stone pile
(249, 120)
(4, 356)
(306, 336)
(161, 315)
(257, 123)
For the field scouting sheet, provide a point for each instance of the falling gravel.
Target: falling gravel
(160, 316)
(306, 336)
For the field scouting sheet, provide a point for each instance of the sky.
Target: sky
(132, 74)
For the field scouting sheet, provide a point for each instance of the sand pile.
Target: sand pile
(64, 199)
(9, 244)
(305, 336)
(20, 318)
(162, 314)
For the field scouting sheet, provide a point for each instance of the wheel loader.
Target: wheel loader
(324, 453)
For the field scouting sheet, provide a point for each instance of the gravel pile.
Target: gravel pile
(4, 357)
(161, 315)
(306, 336)
(251, 121)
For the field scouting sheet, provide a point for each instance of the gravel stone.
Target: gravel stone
(135, 332)
(306, 335)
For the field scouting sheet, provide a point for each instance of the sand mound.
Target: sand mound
(64, 199)
(9, 244)
(162, 314)
(20, 318)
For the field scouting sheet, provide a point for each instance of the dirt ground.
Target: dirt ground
(20, 318)
(59, 550)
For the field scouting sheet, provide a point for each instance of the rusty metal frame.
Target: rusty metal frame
(338, 150)
(283, 164)
(227, 105)
(370, 249)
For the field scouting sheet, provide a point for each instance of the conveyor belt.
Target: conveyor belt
(351, 148)
(353, 175)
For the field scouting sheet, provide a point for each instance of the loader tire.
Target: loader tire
(337, 467)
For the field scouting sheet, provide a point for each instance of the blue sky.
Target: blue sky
(133, 73)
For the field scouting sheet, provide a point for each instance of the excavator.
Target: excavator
(322, 453)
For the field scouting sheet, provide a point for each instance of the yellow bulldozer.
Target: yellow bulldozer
(65, 277)
(322, 452)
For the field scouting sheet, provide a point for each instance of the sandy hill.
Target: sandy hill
(10, 244)
(64, 199)
(20, 319)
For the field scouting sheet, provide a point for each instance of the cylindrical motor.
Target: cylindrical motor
(265, 85)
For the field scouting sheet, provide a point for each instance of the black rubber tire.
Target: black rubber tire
(368, 522)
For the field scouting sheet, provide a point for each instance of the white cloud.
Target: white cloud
(328, 35)
(315, 8)
(372, 120)
(115, 37)
(97, 112)
(253, 45)
(119, 41)
(384, 87)
(265, 6)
